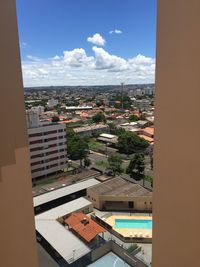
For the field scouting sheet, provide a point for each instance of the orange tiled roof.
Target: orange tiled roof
(84, 226)
(149, 130)
(147, 138)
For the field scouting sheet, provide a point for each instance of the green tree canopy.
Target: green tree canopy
(115, 163)
(87, 162)
(77, 147)
(130, 143)
(99, 117)
(136, 167)
(55, 119)
(133, 117)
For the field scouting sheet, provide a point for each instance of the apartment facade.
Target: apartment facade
(142, 104)
(48, 149)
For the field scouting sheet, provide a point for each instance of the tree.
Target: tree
(136, 167)
(114, 130)
(133, 117)
(55, 119)
(130, 143)
(115, 163)
(99, 117)
(87, 162)
(77, 148)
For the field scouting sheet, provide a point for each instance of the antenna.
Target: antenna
(122, 95)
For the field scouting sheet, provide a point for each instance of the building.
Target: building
(62, 195)
(120, 194)
(56, 238)
(75, 108)
(142, 104)
(38, 109)
(47, 145)
(48, 149)
(92, 130)
(108, 138)
(17, 235)
(32, 119)
(175, 231)
(52, 103)
(84, 227)
(148, 134)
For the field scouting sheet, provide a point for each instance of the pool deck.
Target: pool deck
(132, 232)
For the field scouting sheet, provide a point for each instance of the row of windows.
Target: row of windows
(45, 140)
(47, 160)
(46, 147)
(47, 167)
(48, 153)
(46, 133)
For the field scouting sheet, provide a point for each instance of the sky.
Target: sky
(87, 42)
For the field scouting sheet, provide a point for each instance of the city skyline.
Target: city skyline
(99, 43)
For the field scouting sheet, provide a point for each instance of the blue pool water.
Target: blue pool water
(131, 224)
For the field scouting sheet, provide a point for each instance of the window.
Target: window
(35, 149)
(35, 142)
(35, 134)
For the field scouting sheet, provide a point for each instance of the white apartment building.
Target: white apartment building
(52, 102)
(142, 104)
(48, 149)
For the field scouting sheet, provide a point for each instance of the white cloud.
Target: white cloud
(97, 39)
(103, 60)
(77, 58)
(75, 67)
(33, 58)
(115, 31)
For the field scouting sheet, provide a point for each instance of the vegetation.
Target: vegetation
(77, 147)
(55, 119)
(115, 163)
(114, 130)
(99, 117)
(148, 178)
(94, 144)
(126, 101)
(132, 248)
(133, 117)
(136, 167)
(102, 163)
(129, 143)
(87, 162)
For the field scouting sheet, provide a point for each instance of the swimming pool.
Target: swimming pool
(133, 224)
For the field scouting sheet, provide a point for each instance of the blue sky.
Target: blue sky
(85, 42)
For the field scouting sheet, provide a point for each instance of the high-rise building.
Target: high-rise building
(47, 144)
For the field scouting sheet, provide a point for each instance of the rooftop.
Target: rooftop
(84, 226)
(90, 128)
(120, 187)
(61, 239)
(58, 193)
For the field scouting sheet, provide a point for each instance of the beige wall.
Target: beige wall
(139, 202)
(17, 234)
(176, 195)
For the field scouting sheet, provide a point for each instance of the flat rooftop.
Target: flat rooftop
(120, 187)
(64, 209)
(90, 128)
(109, 259)
(59, 237)
(64, 191)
